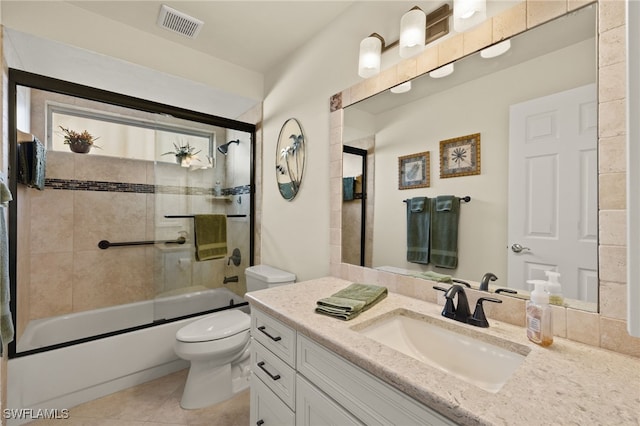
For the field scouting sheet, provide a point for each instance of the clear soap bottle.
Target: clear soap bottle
(539, 319)
(554, 288)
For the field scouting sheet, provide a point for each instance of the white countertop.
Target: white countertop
(566, 383)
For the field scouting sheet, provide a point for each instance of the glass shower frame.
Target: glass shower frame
(20, 78)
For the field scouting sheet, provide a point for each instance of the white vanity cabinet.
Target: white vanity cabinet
(273, 378)
(297, 381)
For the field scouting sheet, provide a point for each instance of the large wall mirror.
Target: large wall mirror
(533, 207)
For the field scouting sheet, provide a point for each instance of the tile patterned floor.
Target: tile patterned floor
(154, 403)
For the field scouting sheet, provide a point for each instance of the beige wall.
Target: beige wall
(607, 328)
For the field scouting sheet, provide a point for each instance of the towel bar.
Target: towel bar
(182, 216)
(464, 199)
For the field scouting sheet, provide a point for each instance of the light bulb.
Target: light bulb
(443, 71)
(401, 88)
(496, 50)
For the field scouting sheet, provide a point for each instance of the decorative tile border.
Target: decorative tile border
(138, 188)
(103, 186)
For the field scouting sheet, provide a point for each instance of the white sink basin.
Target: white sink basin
(475, 360)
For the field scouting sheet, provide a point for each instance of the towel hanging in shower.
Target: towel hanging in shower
(6, 322)
(210, 232)
(32, 158)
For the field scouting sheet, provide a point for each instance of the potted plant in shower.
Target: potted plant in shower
(80, 143)
(184, 153)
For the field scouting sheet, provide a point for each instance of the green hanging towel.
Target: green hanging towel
(418, 229)
(210, 236)
(444, 231)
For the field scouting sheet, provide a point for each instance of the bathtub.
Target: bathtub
(68, 376)
(65, 328)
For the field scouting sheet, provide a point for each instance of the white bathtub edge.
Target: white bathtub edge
(91, 370)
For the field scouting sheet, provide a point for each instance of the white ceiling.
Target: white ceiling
(255, 35)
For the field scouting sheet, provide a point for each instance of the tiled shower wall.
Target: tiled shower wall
(89, 198)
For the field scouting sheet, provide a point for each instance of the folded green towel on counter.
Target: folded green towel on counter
(351, 301)
(434, 276)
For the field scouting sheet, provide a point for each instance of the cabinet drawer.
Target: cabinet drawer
(275, 373)
(368, 398)
(266, 408)
(274, 335)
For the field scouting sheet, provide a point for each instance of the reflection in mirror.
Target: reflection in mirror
(504, 98)
(357, 236)
(130, 190)
(290, 158)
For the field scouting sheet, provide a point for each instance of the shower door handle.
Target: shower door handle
(263, 368)
(274, 338)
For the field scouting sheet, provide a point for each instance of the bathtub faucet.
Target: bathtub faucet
(233, 279)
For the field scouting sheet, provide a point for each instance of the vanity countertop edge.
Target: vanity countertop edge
(568, 382)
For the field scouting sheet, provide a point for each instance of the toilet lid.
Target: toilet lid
(215, 326)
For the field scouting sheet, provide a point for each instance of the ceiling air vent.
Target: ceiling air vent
(179, 22)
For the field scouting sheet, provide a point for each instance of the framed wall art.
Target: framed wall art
(414, 171)
(460, 156)
(290, 158)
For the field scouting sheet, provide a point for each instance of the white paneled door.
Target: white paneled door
(553, 205)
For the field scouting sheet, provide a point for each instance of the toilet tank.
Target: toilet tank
(265, 276)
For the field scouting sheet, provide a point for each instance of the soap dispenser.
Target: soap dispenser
(554, 288)
(539, 319)
(217, 189)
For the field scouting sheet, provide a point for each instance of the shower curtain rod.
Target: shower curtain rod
(464, 199)
(104, 244)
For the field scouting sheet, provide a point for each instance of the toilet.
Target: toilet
(218, 346)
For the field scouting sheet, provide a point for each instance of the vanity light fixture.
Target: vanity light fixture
(443, 71)
(413, 30)
(468, 14)
(401, 88)
(370, 52)
(416, 30)
(496, 50)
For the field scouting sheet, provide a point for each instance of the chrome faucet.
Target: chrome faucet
(484, 284)
(460, 312)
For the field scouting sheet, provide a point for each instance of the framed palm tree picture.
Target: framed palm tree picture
(460, 156)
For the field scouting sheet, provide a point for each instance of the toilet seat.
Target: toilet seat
(215, 327)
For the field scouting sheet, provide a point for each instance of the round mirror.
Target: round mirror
(290, 158)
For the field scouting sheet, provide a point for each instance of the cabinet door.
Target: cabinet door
(314, 408)
(368, 398)
(266, 408)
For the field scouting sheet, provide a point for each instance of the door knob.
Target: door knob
(517, 248)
